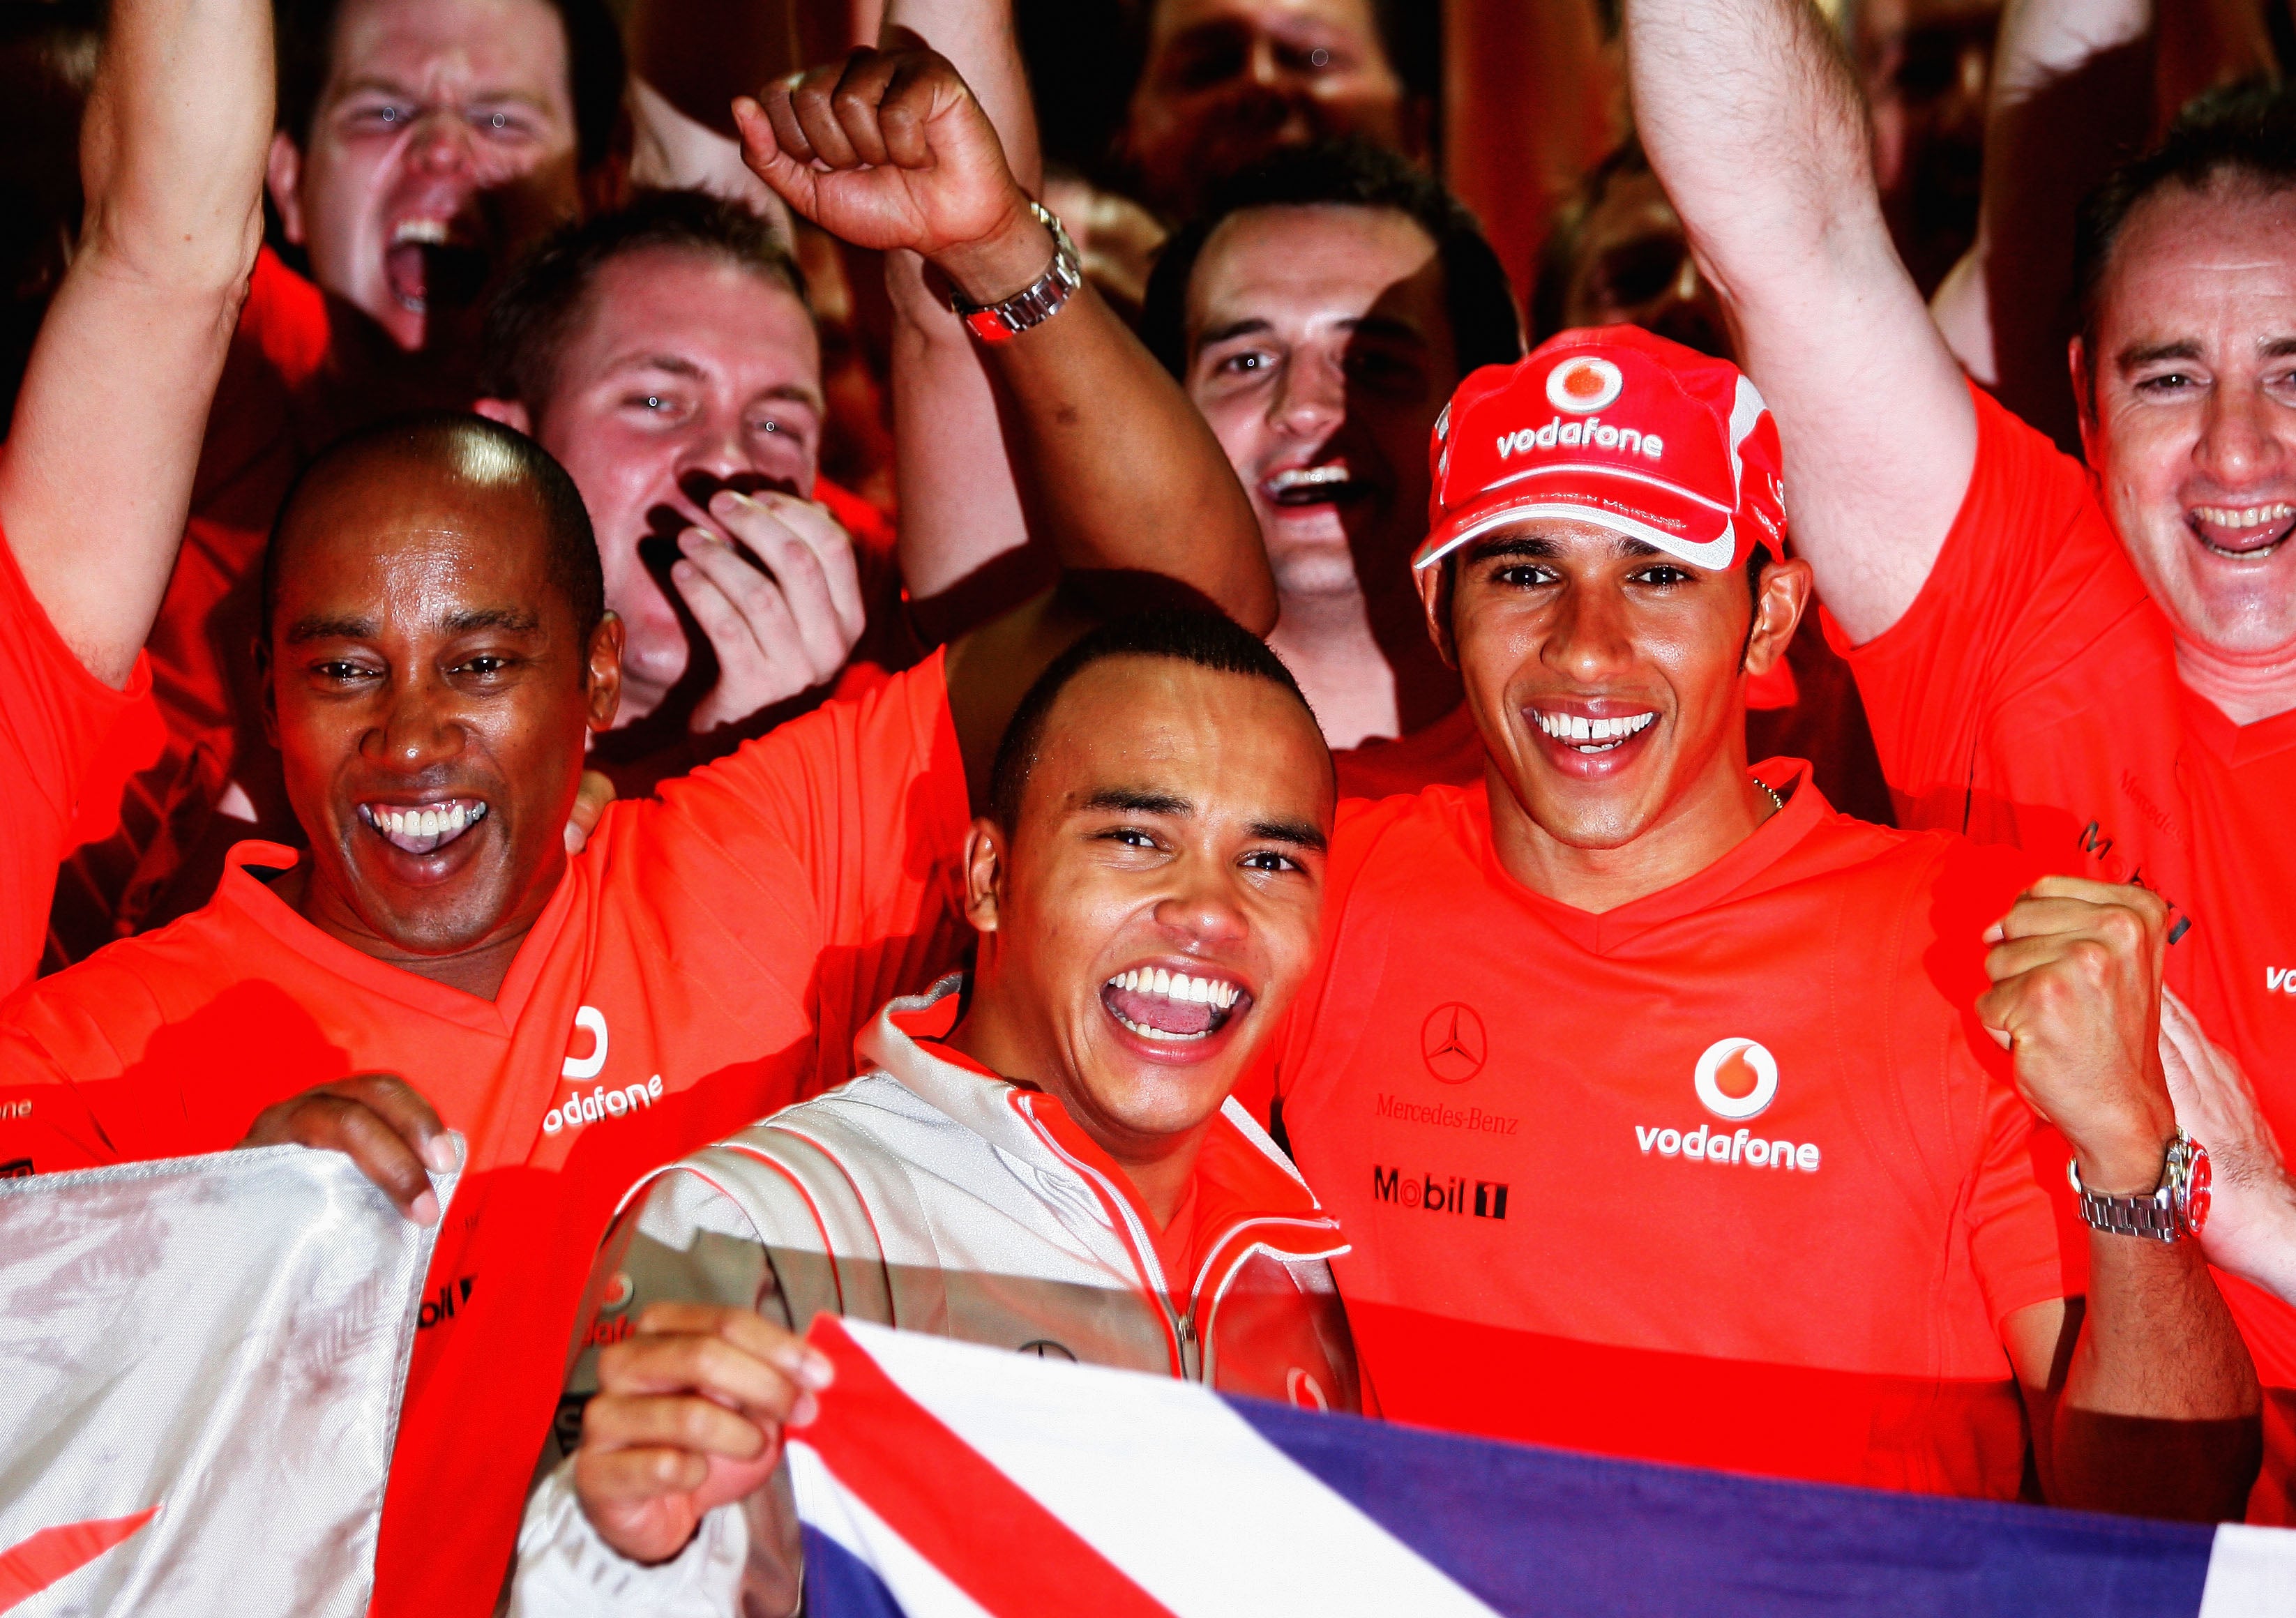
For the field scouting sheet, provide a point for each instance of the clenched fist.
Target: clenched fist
(2075, 1000)
(889, 150)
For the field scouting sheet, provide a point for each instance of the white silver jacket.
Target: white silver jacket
(928, 1197)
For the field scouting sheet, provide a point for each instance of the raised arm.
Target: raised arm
(96, 481)
(961, 521)
(2071, 97)
(1754, 125)
(1121, 476)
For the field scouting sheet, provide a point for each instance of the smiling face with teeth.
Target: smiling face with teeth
(1155, 908)
(1608, 680)
(443, 143)
(2190, 422)
(429, 688)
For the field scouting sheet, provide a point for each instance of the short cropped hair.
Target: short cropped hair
(2243, 136)
(595, 70)
(539, 306)
(1351, 173)
(453, 439)
(1188, 635)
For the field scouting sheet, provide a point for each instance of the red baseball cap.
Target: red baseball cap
(1612, 426)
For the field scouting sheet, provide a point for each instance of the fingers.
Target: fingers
(380, 1123)
(709, 1379)
(2073, 904)
(590, 801)
(831, 547)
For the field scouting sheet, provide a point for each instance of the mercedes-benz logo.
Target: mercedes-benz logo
(1452, 1042)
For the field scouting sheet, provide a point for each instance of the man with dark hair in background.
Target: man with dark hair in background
(1222, 83)
(1319, 312)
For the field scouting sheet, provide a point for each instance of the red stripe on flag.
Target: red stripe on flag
(52, 1553)
(988, 1536)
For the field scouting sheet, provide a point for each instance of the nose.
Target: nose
(440, 143)
(2239, 435)
(418, 729)
(1310, 398)
(1588, 639)
(1202, 907)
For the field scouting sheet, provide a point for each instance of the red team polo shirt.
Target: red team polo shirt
(54, 717)
(2029, 696)
(1728, 1176)
(706, 960)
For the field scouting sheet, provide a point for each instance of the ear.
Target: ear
(1779, 607)
(1438, 583)
(282, 175)
(508, 412)
(984, 873)
(2084, 396)
(605, 673)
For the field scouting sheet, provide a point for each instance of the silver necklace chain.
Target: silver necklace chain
(1776, 801)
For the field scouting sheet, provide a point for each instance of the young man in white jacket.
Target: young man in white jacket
(1044, 1159)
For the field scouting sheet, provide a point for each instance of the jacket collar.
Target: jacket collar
(1242, 1179)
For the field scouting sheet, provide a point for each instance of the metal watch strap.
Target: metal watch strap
(1035, 303)
(2153, 1213)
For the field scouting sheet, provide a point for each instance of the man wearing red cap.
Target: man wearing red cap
(1667, 1109)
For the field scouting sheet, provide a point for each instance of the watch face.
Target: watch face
(2198, 1177)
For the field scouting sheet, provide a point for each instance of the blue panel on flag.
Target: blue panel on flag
(837, 1584)
(1547, 1531)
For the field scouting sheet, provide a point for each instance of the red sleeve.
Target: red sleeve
(2029, 575)
(839, 840)
(54, 720)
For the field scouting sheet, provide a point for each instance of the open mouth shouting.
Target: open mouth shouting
(422, 828)
(1329, 484)
(1173, 1007)
(2242, 533)
(431, 261)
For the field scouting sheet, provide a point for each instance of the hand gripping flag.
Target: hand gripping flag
(943, 1480)
(200, 1363)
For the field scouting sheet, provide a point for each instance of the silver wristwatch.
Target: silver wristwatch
(1035, 303)
(2175, 1209)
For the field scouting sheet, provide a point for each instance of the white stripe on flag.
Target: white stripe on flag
(823, 1503)
(2251, 1573)
(1169, 1483)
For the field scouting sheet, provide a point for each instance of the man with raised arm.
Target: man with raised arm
(2099, 667)
(437, 651)
(96, 474)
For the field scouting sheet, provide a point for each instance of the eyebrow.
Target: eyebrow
(1539, 548)
(368, 84)
(677, 365)
(1385, 326)
(1137, 801)
(315, 627)
(1297, 833)
(517, 621)
(2145, 354)
(1147, 801)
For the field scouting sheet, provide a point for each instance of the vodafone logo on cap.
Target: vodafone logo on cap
(1584, 385)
